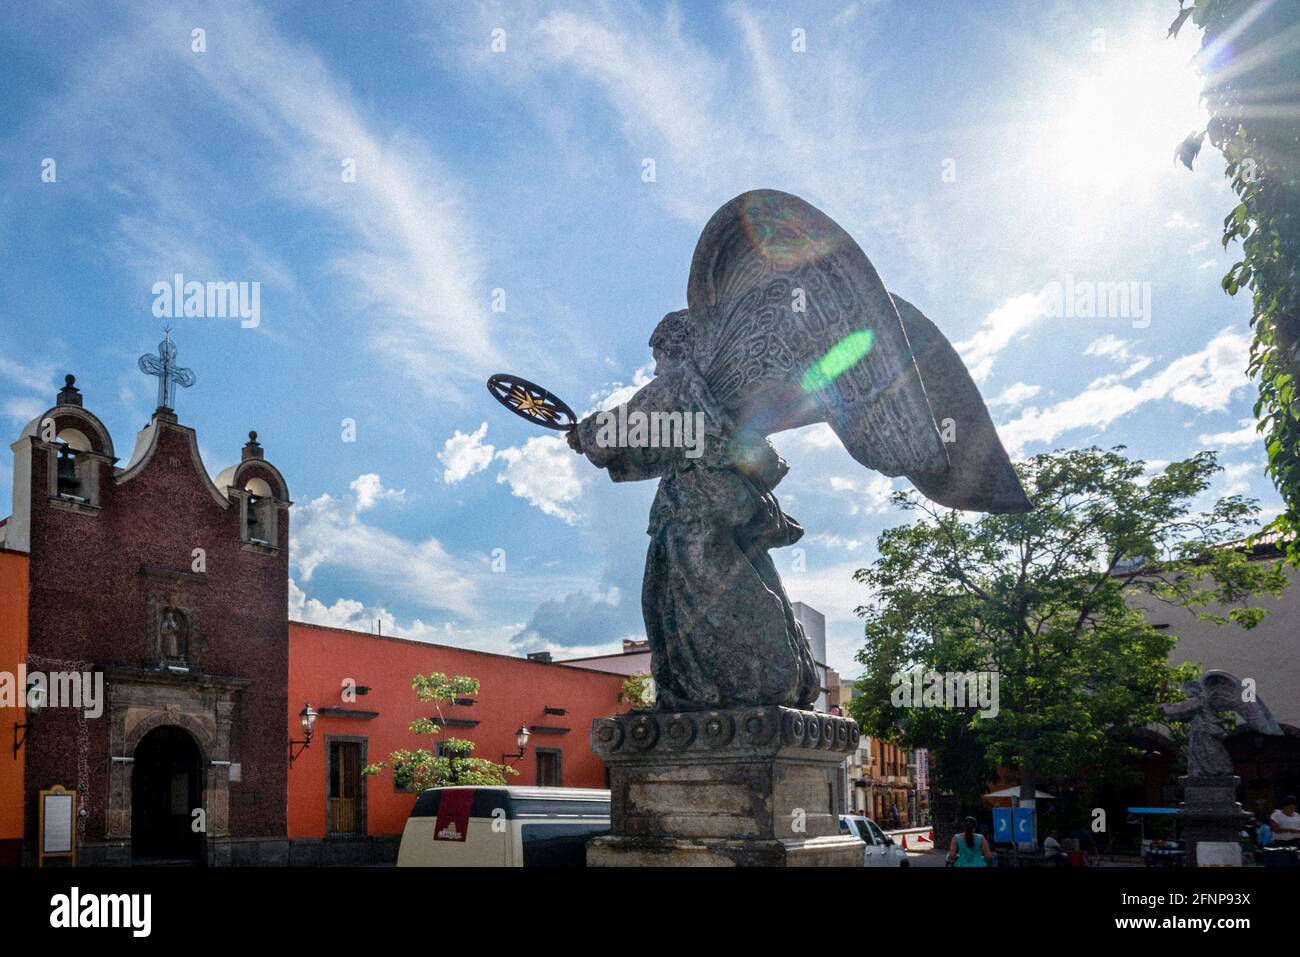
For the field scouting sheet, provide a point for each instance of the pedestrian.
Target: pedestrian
(1087, 844)
(1286, 823)
(969, 849)
(1053, 850)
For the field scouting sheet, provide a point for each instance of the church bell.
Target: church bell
(67, 471)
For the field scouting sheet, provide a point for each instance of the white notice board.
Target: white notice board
(58, 824)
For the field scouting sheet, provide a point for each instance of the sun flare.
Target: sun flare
(1114, 123)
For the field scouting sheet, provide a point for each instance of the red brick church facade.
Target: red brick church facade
(160, 581)
(174, 588)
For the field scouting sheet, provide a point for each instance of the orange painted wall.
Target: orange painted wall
(13, 652)
(513, 692)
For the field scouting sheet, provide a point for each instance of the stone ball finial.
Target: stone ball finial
(69, 394)
(252, 436)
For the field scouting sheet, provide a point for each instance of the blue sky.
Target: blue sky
(979, 153)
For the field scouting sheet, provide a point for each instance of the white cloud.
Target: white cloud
(408, 254)
(618, 393)
(417, 262)
(1110, 347)
(1137, 365)
(543, 471)
(1205, 380)
(999, 329)
(463, 455)
(1017, 393)
(1246, 435)
(354, 615)
(1235, 479)
(37, 377)
(329, 533)
(840, 542)
(717, 118)
(1178, 221)
(35, 380)
(369, 491)
(24, 410)
(869, 495)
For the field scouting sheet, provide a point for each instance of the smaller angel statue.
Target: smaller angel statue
(1207, 698)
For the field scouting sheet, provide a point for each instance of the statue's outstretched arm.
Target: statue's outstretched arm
(626, 440)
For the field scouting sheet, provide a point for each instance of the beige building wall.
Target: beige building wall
(1269, 653)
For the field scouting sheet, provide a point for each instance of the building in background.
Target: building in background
(881, 776)
(857, 763)
(814, 627)
(634, 659)
(163, 593)
(361, 686)
(1268, 765)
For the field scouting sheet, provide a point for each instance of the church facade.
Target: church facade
(143, 607)
(169, 593)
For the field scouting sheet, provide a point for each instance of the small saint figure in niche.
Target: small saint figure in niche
(174, 633)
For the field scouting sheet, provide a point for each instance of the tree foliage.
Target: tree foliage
(1043, 600)
(454, 762)
(1249, 51)
(638, 690)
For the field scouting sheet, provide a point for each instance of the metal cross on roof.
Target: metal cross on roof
(169, 374)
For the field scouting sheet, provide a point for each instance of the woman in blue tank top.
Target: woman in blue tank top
(969, 849)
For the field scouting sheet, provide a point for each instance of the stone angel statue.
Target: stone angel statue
(787, 325)
(1207, 698)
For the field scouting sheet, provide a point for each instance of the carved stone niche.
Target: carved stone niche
(172, 636)
(744, 786)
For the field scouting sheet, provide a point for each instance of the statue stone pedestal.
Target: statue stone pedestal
(738, 787)
(1210, 811)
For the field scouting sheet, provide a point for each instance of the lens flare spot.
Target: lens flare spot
(839, 359)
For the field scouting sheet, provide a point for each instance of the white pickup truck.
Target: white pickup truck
(881, 849)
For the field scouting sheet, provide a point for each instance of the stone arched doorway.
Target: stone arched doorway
(166, 787)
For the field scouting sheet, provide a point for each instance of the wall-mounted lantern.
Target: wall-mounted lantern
(35, 701)
(308, 716)
(521, 739)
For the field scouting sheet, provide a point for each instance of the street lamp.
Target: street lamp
(307, 716)
(35, 700)
(521, 739)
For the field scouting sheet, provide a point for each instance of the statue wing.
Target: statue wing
(1224, 692)
(980, 476)
(791, 325)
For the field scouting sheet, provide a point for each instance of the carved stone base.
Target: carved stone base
(838, 851)
(1209, 812)
(745, 786)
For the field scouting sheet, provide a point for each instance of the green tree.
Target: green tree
(1042, 601)
(456, 764)
(638, 690)
(1248, 54)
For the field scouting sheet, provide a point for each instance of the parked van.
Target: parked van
(471, 826)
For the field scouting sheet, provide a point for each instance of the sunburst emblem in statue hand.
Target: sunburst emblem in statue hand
(530, 401)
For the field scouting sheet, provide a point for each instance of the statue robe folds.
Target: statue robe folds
(722, 632)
